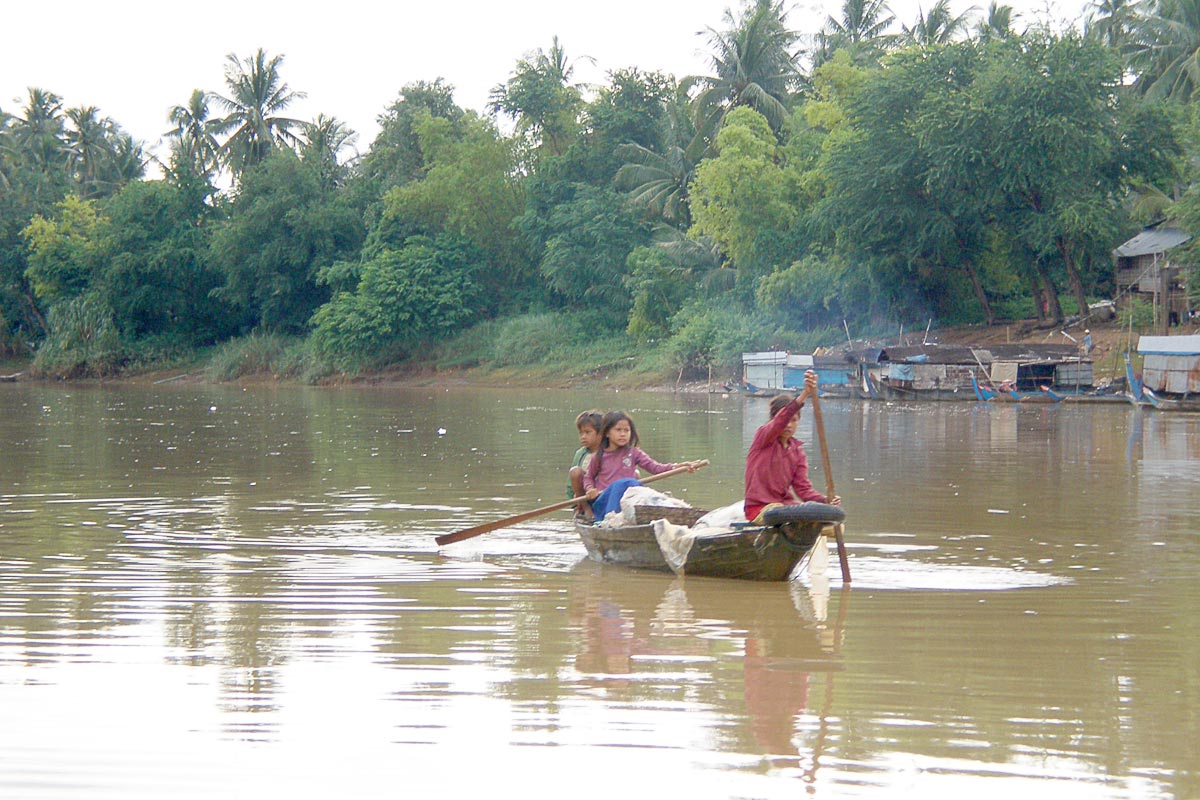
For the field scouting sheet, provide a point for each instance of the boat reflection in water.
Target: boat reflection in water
(760, 656)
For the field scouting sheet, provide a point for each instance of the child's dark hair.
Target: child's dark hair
(611, 419)
(592, 418)
(779, 403)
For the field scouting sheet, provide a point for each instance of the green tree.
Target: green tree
(395, 157)
(743, 194)
(285, 226)
(1112, 22)
(257, 97)
(588, 242)
(425, 289)
(1165, 50)
(87, 148)
(156, 279)
(38, 150)
(890, 200)
(66, 250)
(659, 284)
(1059, 165)
(627, 112)
(656, 179)
(101, 158)
(470, 189)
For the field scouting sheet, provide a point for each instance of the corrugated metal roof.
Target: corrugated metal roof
(767, 357)
(1022, 353)
(1152, 240)
(1170, 345)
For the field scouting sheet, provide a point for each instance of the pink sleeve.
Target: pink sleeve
(648, 464)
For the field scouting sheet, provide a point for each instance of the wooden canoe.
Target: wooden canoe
(757, 553)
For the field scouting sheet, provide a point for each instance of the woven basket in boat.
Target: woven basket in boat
(644, 515)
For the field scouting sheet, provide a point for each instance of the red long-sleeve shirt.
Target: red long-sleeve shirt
(774, 468)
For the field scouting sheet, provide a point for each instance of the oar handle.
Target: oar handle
(469, 533)
(820, 426)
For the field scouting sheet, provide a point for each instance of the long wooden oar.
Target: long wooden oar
(469, 533)
(837, 529)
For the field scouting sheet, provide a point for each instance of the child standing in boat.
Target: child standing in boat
(614, 467)
(588, 424)
(776, 466)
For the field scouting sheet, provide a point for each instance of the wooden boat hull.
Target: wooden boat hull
(631, 546)
(752, 553)
(1169, 403)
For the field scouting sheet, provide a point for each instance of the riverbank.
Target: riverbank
(1110, 342)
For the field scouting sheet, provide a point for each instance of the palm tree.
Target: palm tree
(753, 65)
(87, 143)
(257, 96)
(939, 26)
(324, 140)
(1164, 50)
(997, 23)
(1111, 21)
(40, 133)
(8, 149)
(541, 99)
(657, 179)
(861, 29)
(195, 134)
(126, 162)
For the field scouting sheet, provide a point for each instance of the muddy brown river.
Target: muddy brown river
(224, 592)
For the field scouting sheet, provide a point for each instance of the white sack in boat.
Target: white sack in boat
(723, 517)
(638, 496)
(675, 541)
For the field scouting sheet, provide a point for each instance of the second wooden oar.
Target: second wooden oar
(829, 491)
(458, 536)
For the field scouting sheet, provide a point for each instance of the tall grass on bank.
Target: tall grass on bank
(566, 344)
(266, 355)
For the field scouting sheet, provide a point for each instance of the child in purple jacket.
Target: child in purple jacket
(614, 467)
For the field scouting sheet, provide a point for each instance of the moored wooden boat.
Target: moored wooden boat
(1171, 373)
(759, 553)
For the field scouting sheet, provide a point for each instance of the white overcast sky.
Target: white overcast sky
(136, 60)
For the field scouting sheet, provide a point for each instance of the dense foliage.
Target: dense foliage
(878, 173)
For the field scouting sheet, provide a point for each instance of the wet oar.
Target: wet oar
(837, 529)
(468, 533)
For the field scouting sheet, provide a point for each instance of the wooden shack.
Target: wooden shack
(1144, 270)
(764, 370)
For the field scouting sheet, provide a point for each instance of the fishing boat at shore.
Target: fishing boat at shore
(663, 538)
(1170, 379)
(1007, 394)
